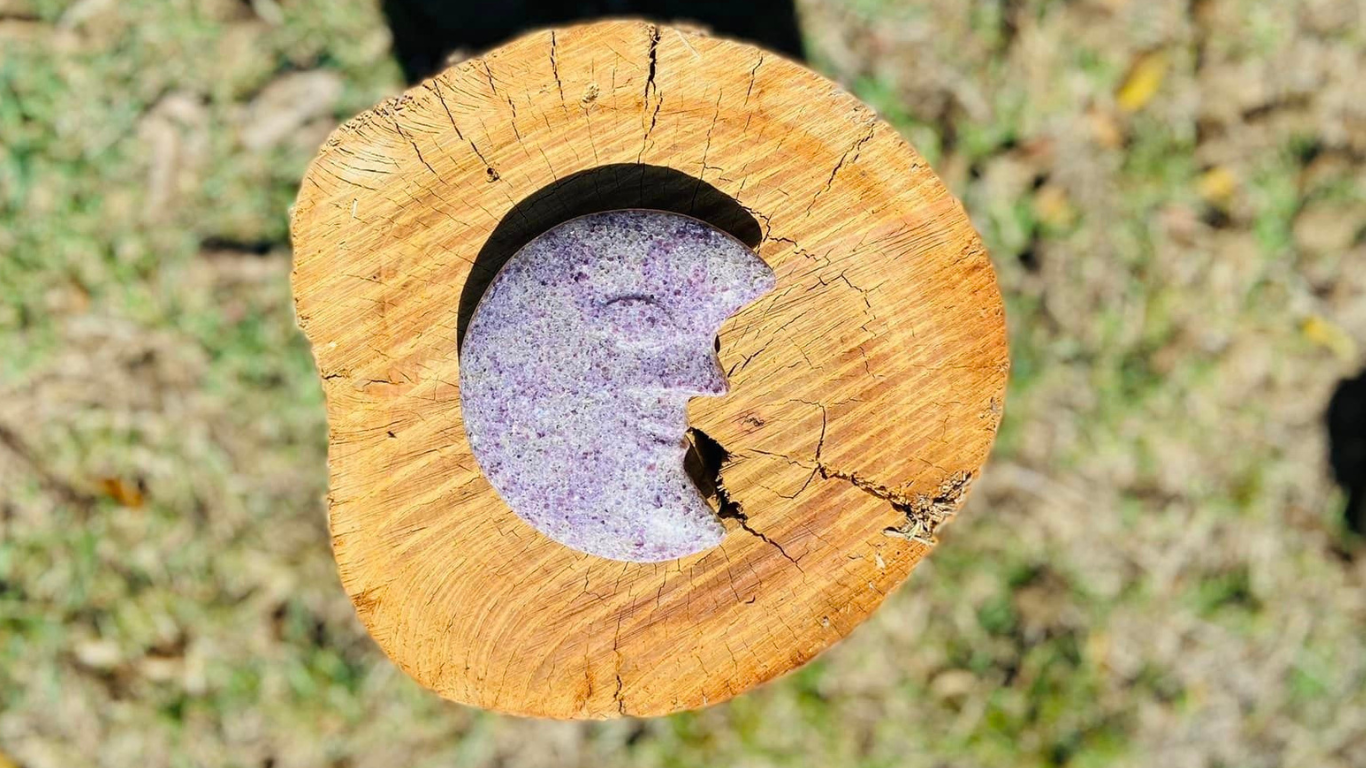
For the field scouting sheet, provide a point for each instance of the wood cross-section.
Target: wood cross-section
(865, 390)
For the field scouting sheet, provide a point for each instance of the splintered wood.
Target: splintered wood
(865, 390)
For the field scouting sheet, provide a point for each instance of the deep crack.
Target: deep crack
(653, 56)
(703, 464)
(617, 697)
(654, 59)
(925, 513)
(555, 65)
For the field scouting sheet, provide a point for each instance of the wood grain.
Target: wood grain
(866, 389)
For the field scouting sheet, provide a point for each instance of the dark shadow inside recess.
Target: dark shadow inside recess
(1346, 422)
(605, 188)
(703, 463)
(429, 32)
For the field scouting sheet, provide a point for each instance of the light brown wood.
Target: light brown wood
(865, 390)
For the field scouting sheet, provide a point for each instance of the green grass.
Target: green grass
(1154, 554)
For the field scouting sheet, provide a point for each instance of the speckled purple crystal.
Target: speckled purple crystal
(577, 368)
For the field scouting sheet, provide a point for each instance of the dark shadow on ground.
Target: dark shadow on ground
(605, 188)
(1347, 446)
(426, 32)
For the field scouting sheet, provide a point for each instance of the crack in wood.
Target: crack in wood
(618, 698)
(434, 86)
(555, 65)
(652, 55)
(856, 149)
(413, 143)
(753, 74)
(654, 118)
(488, 74)
(709, 460)
(692, 205)
(925, 513)
(653, 58)
(616, 650)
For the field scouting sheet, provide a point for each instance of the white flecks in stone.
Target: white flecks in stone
(577, 368)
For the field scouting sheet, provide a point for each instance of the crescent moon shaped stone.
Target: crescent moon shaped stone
(577, 368)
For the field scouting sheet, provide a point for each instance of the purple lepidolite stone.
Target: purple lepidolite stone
(577, 368)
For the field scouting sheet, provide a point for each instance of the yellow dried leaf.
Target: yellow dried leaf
(1217, 185)
(1325, 333)
(1144, 79)
(122, 492)
(5, 762)
(1053, 208)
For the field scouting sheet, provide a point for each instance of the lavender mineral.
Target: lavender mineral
(577, 368)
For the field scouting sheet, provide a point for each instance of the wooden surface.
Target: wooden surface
(865, 390)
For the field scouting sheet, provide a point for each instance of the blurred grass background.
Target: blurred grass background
(1153, 570)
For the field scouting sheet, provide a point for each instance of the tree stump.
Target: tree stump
(865, 390)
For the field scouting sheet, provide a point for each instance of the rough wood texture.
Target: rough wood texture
(865, 390)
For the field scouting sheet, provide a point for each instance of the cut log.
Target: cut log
(865, 389)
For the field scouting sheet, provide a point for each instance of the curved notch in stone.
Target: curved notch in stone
(576, 371)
